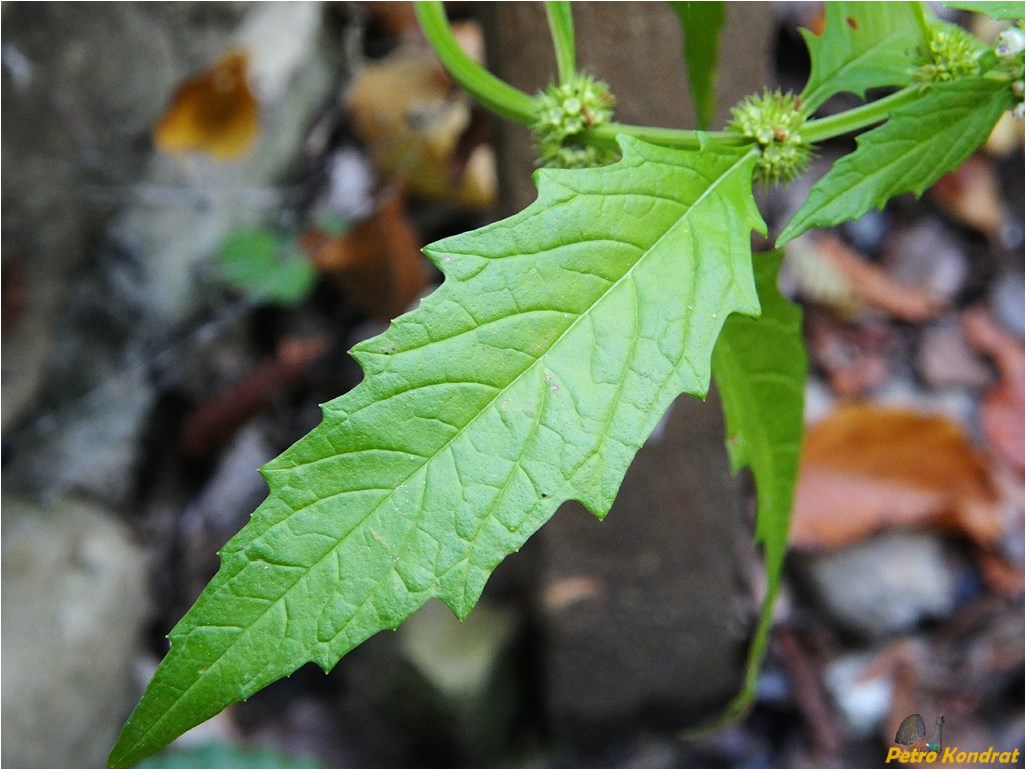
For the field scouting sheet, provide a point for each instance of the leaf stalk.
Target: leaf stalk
(848, 122)
(561, 25)
(666, 137)
(495, 94)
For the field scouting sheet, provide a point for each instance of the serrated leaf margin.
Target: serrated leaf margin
(904, 154)
(204, 636)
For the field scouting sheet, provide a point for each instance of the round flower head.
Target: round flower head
(953, 53)
(774, 120)
(565, 112)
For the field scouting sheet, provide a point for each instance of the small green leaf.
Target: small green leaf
(863, 45)
(258, 263)
(995, 10)
(920, 142)
(760, 366)
(701, 24)
(532, 376)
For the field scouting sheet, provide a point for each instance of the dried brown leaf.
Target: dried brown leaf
(1003, 413)
(867, 468)
(972, 196)
(873, 286)
(407, 111)
(378, 263)
(214, 421)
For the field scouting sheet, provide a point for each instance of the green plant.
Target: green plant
(561, 334)
(265, 267)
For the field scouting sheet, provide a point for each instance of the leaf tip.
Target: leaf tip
(459, 606)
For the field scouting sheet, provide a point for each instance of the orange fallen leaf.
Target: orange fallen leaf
(972, 196)
(866, 468)
(377, 263)
(875, 287)
(1003, 412)
(214, 112)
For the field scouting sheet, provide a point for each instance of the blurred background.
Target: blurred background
(206, 204)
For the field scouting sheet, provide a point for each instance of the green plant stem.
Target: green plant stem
(919, 10)
(814, 131)
(667, 137)
(853, 120)
(561, 25)
(514, 104)
(493, 93)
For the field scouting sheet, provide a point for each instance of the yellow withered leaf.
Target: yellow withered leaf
(214, 112)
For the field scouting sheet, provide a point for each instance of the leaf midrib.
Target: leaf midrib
(483, 410)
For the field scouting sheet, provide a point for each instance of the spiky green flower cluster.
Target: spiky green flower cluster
(775, 121)
(565, 112)
(953, 53)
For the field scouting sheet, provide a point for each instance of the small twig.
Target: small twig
(216, 420)
(811, 699)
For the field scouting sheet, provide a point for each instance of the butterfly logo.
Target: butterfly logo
(912, 733)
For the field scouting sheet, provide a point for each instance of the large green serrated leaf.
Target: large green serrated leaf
(995, 10)
(863, 45)
(530, 377)
(918, 144)
(760, 366)
(701, 23)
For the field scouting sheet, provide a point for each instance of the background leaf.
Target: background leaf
(701, 24)
(266, 268)
(760, 368)
(918, 144)
(995, 10)
(863, 45)
(532, 376)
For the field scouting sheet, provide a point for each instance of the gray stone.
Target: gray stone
(449, 685)
(927, 256)
(885, 585)
(75, 143)
(96, 317)
(945, 360)
(862, 695)
(1008, 302)
(645, 612)
(74, 603)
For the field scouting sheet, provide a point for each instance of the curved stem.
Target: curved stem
(514, 104)
(561, 25)
(493, 93)
(858, 118)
